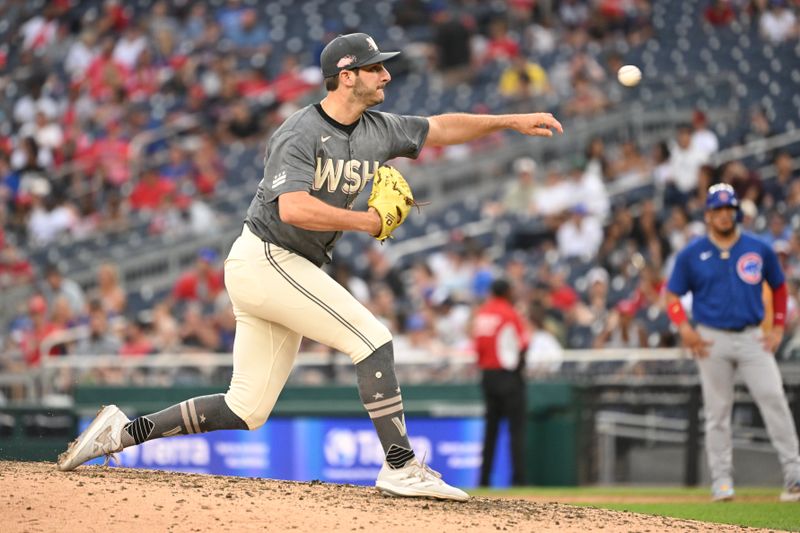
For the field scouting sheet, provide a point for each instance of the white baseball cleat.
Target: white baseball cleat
(791, 493)
(417, 480)
(102, 437)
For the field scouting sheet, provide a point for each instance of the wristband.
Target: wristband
(779, 297)
(676, 313)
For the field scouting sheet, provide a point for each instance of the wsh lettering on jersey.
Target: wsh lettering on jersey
(329, 173)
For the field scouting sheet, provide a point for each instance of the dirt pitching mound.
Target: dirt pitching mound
(37, 497)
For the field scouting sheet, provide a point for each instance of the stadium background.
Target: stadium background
(131, 142)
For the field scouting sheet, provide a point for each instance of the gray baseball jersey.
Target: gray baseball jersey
(312, 152)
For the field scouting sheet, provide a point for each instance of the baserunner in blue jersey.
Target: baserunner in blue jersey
(724, 271)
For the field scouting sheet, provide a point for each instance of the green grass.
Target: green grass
(767, 513)
(785, 516)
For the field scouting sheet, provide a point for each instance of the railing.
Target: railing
(145, 138)
(27, 381)
(214, 360)
(210, 359)
(396, 251)
(460, 363)
(757, 147)
(649, 428)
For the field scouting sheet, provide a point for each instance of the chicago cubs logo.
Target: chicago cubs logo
(748, 267)
(724, 196)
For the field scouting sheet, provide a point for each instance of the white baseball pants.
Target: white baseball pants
(278, 298)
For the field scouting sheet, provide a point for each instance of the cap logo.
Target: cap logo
(723, 196)
(372, 45)
(345, 61)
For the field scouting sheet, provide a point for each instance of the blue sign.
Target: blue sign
(338, 450)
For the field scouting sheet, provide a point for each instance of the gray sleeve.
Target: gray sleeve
(408, 134)
(290, 164)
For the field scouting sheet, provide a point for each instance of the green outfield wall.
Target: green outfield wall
(40, 433)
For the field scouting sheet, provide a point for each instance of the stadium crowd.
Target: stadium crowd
(95, 95)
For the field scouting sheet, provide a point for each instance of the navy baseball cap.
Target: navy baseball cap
(721, 195)
(351, 51)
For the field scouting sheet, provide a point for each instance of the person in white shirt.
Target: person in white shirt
(80, 55)
(40, 31)
(580, 235)
(778, 24)
(704, 141)
(685, 163)
(545, 353)
(518, 198)
(555, 196)
(593, 193)
(46, 132)
(49, 219)
(130, 45)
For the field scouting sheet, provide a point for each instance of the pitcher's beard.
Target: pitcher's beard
(369, 98)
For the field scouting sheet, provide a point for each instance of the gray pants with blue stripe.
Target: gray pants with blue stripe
(743, 351)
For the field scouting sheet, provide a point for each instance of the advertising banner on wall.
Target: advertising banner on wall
(338, 450)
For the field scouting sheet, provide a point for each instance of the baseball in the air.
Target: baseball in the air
(629, 75)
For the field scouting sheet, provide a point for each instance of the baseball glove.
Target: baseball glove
(391, 197)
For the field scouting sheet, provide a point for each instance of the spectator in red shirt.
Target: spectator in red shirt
(113, 17)
(252, 83)
(15, 269)
(143, 81)
(501, 341)
(112, 152)
(137, 342)
(41, 328)
(650, 291)
(562, 296)
(208, 168)
(719, 13)
(290, 84)
(105, 75)
(151, 190)
(203, 282)
(501, 46)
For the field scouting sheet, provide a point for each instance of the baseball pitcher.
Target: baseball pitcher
(316, 164)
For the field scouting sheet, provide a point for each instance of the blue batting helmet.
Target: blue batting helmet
(721, 195)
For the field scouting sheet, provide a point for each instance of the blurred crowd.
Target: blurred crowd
(93, 134)
(99, 94)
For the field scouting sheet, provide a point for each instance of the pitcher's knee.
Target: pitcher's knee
(254, 419)
(379, 336)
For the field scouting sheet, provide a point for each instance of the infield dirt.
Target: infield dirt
(36, 497)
